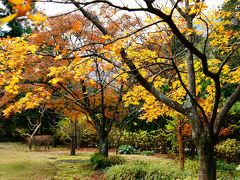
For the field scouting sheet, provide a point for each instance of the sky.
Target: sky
(52, 9)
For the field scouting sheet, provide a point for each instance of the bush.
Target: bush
(146, 171)
(132, 171)
(238, 168)
(229, 150)
(126, 149)
(148, 153)
(99, 161)
(142, 170)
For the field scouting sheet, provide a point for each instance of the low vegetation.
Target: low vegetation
(99, 161)
(17, 162)
(147, 170)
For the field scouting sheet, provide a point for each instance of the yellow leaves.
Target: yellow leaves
(151, 107)
(31, 100)
(134, 96)
(107, 37)
(37, 18)
(193, 11)
(235, 76)
(10, 109)
(32, 49)
(7, 19)
(150, 20)
(225, 14)
(77, 58)
(221, 36)
(92, 82)
(55, 71)
(214, 65)
(54, 81)
(197, 7)
(12, 87)
(58, 57)
(22, 7)
(187, 31)
(16, 2)
(159, 82)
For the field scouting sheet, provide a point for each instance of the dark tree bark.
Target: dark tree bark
(74, 139)
(73, 146)
(103, 143)
(207, 159)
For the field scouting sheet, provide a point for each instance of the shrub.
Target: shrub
(132, 171)
(115, 160)
(238, 168)
(229, 150)
(142, 170)
(148, 153)
(99, 161)
(126, 149)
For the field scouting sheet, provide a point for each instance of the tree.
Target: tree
(73, 84)
(206, 120)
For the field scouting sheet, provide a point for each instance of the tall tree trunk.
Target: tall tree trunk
(207, 161)
(103, 143)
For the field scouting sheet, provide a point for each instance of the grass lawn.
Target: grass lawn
(17, 163)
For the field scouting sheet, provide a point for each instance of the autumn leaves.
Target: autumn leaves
(22, 8)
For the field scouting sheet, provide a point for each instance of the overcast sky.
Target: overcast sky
(53, 9)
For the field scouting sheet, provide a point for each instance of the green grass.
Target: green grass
(17, 163)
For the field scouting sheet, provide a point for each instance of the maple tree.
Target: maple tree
(195, 94)
(55, 73)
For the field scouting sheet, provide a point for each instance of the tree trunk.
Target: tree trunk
(180, 147)
(73, 145)
(207, 160)
(74, 139)
(103, 143)
(192, 150)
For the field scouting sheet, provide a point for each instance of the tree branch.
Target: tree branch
(150, 88)
(228, 105)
